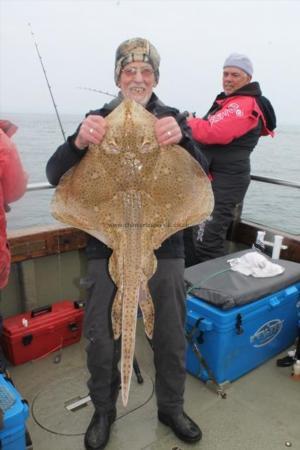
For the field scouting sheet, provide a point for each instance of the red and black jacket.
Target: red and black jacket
(230, 130)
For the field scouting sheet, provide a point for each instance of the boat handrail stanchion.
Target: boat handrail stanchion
(276, 245)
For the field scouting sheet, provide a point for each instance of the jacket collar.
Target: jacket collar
(251, 89)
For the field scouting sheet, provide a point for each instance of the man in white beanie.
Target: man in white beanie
(136, 75)
(227, 135)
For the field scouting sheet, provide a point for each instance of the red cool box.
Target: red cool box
(37, 333)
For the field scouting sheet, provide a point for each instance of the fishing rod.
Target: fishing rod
(48, 84)
(98, 91)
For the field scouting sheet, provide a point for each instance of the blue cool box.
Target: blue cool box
(15, 413)
(237, 340)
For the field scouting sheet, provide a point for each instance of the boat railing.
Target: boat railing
(293, 184)
(39, 186)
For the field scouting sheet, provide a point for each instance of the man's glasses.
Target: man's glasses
(130, 72)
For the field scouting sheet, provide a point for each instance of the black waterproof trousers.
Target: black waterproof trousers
(169, 344)
(229, 190)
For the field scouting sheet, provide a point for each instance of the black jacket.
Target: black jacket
(67, 155)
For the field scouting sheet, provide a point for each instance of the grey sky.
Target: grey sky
(77, 41)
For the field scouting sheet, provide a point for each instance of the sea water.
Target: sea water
(39, 135)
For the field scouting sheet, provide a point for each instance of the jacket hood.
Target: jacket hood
(268, 111)
(8, 127)
(252, 89)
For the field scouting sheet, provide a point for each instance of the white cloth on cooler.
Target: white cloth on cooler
(255, 264)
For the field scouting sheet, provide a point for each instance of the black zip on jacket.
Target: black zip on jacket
(67, 155)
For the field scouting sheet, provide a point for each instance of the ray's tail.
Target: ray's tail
(129, 319)
(131, 285)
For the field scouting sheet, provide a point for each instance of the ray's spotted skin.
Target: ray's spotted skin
(132, 194)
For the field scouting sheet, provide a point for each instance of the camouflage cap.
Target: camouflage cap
(136, 49)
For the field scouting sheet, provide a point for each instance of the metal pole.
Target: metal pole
(293, 184)
(39, 186)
